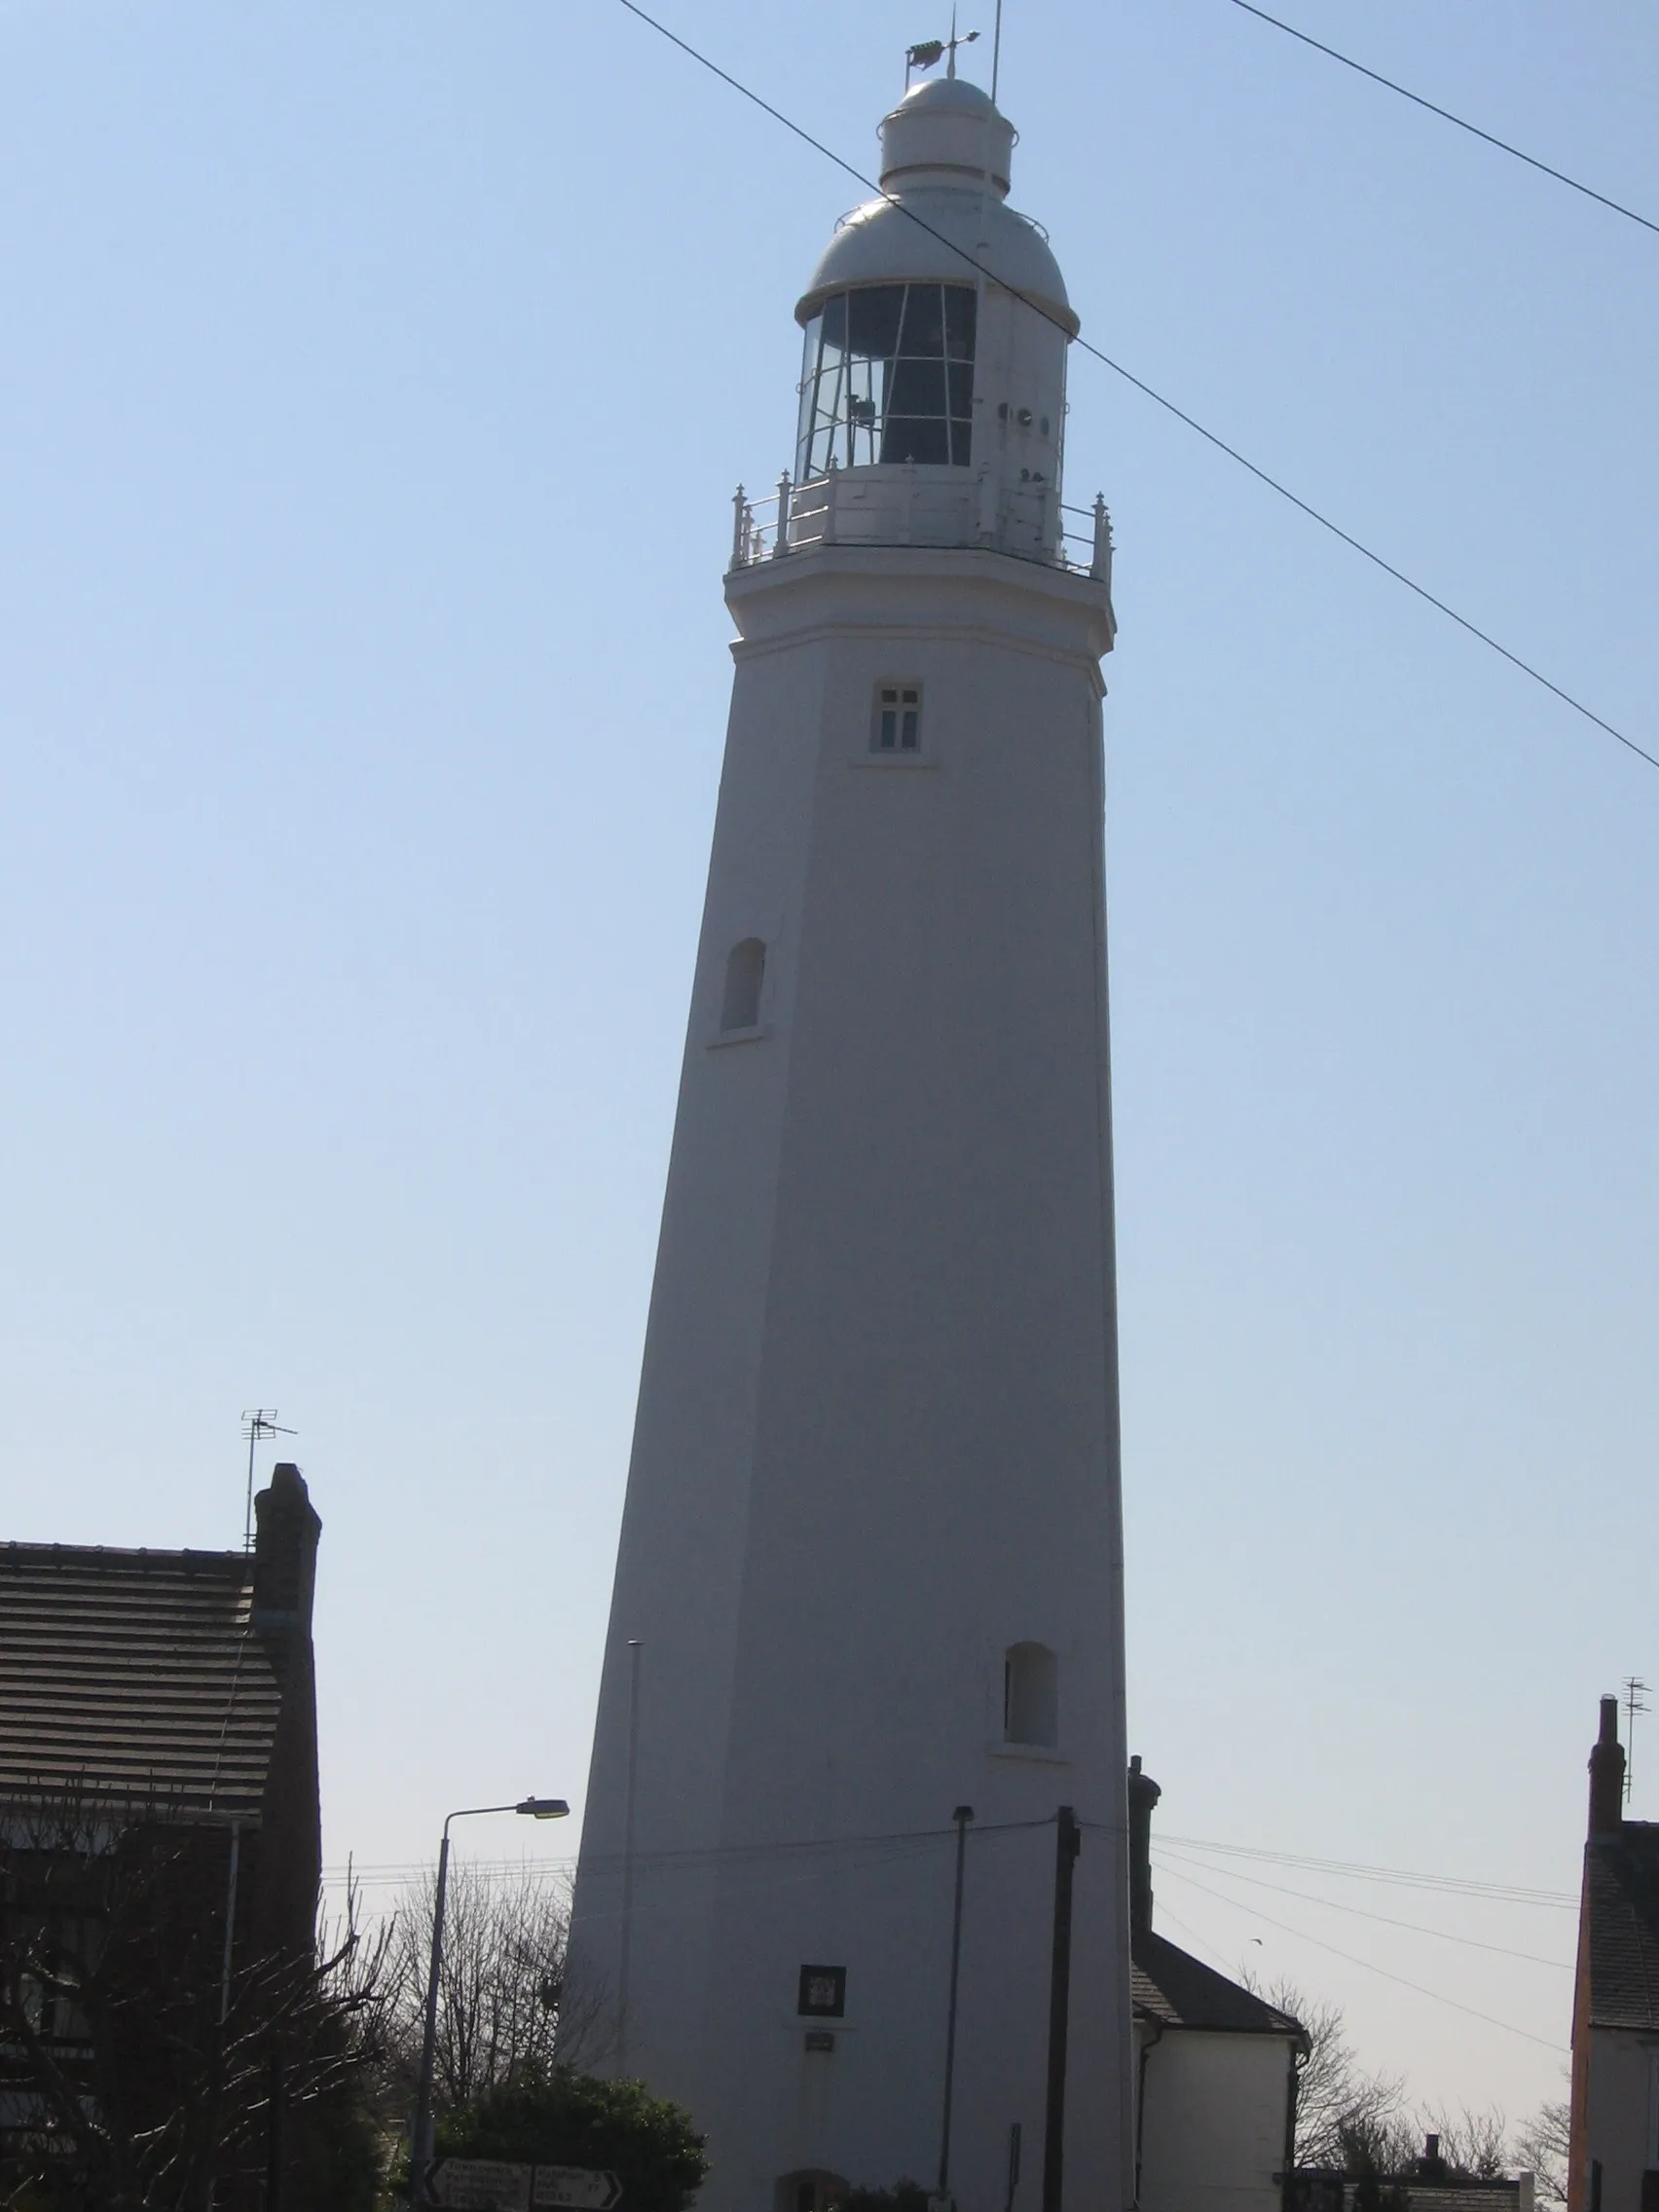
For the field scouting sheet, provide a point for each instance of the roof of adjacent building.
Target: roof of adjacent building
(1460, 2196)
(132, 1675)
(1325, 2186)
(1170, 1985)
(1621, 1899)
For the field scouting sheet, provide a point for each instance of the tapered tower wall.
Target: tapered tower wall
(877, 1447)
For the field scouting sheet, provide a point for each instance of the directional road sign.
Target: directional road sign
(490, 2185)
(580, 2188)
(479, 2184)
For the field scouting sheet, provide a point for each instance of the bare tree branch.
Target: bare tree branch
(1541, 2142)
(504, 1991)
(137, 2075)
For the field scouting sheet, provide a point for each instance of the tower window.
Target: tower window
(823, 1993)
(898, 718)
(746, 972)
(1031, 1696)
(889, 376)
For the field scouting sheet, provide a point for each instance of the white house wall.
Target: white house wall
(1213, 2112)
(1622, 2114)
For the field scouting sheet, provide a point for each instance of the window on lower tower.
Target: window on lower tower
(898, 722)
(1031, 1696)
(746, 972)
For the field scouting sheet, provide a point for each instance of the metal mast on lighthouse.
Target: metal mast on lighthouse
(870, 1567)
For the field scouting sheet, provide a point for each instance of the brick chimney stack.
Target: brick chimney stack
(1606, 1774)
(1143, 1795)
(287, 1848)
(287, 1526)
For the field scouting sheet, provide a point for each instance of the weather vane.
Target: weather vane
(934, 49)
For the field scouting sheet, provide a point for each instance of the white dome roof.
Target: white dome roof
(946, 124)
(937, 146)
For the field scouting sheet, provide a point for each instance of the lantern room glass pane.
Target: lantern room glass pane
(873, 318)
(961, 309)
(923, 337)
(917, 387)
(917, 438)
(888, 376)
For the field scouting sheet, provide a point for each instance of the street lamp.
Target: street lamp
(420, 2141)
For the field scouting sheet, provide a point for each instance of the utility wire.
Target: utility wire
(1167, 1919)
(1181, 1860)
(380, 1873)
(1503, 1893)
(1445, 113)
(700, 1855)
(1353, 1958)
(1168, 405)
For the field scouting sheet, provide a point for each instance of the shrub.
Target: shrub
(903, 2197)
(559, 2117)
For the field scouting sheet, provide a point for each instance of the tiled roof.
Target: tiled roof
(1461, 2196)
(1315, 2185)
(126, 1673)
(1168, 1984)
(1621, 1882)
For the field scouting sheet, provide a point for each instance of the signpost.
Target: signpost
(581, 2188)
(479, 2184)
(491, 2185)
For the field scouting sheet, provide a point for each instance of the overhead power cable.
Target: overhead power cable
(1180, 1861)
(1353, 1958)
(1169, 407)
(1445, 113)
(698, 1856)
(1503, 1893)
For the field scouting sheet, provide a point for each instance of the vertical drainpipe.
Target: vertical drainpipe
(230, 1921)
(1301, 2052)
(1147, 2049)
(626, 1947)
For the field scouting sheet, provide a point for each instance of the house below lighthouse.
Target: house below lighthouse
(870, 1575)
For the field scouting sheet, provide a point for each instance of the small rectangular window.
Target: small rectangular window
(898, 718)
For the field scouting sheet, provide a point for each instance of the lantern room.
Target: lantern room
(932, 384)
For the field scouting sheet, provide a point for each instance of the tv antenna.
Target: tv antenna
(1635, 1691)
(258, 1422)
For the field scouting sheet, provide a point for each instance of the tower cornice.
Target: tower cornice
(957, 590)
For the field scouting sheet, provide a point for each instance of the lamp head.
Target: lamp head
(543, 1808)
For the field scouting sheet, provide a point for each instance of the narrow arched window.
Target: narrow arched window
(1031, 1695)
(746, 972)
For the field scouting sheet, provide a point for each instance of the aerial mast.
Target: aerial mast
(258, 1422)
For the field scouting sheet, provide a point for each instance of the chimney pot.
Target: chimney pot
(1606, 1774)
(286, 1527)
(1143, 1795)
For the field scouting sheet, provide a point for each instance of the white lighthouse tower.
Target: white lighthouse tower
(870, 1565)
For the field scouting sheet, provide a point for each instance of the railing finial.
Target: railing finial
(1101, 564)
(739, 507)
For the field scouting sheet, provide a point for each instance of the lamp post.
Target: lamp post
(420, 2140)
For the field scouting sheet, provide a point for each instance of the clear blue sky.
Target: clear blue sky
(375, 383)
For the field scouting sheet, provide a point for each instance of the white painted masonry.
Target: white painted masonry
(877, 1445)
(1214, 2109)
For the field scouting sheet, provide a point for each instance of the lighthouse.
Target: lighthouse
(864, 1687)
